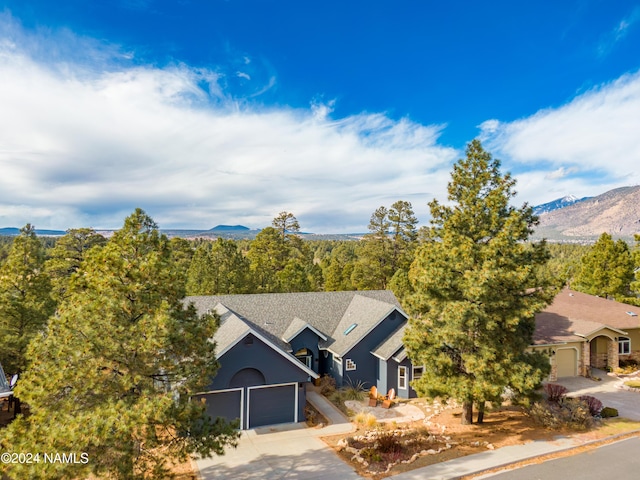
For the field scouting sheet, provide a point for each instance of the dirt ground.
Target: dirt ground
(507, 426)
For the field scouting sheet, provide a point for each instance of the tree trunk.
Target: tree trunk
(481, 406)
(467, 413)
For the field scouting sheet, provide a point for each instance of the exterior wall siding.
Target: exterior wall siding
(392, 378)
(274, 367)
(366, 366)
(309, 340)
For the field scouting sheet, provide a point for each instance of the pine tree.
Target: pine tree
(218, 268)
(477, 290)
(607, 269)
(387, 247)
(112, 374)
(281, 261)
(635, 285)
(67, 256)
(25, 299)
(286, 223)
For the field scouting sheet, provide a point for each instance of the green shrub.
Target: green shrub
(608, 412)
(370, 455)
(355, 390)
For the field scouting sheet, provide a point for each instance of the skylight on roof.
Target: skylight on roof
(632, 314)
(350, 329)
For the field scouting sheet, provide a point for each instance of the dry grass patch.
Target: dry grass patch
(448, 439)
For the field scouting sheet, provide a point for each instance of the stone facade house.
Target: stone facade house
(581, 331)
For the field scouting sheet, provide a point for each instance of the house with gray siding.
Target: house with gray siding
(270, 345)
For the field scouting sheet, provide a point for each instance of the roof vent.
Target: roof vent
(632, 314)
(350, 329)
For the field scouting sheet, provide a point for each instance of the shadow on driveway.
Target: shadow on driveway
(290, 454)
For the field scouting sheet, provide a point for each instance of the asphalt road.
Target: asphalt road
(620, 460)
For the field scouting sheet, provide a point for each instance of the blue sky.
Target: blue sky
(211, 112)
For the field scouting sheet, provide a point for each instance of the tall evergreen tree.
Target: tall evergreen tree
(218, 268)
(112, 374)
(387, 247)
(403, 233)
(477, 290)
(338, 267)
(635, 285)
(281, 261)
(286, 223)
(607, 269)
(25, 299)
(67, 255)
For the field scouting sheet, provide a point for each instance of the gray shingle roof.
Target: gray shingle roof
(363, 312)
(277, 314)
(231, 329)
(391, 344)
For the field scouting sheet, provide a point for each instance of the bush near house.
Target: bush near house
(593, 404)
(569, 413)
(609, 412)
(555, 393)
(327, 385)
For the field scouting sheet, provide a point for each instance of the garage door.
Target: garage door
(223, 403)
(272, 404)
(566, 360)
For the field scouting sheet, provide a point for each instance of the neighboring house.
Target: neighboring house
(581, 331)
(270, 345)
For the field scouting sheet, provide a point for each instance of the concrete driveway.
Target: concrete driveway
(627, 403)
(290, 451)
(286, 452)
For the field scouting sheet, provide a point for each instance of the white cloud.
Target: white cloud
(589, 145)
(620, 31)
(82, 144)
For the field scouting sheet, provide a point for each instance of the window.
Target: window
(402, 378)
(350, 329)
(350, 365)
(417, 372)
(624, 346)
(304, 356)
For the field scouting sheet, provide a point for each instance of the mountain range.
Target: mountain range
(557, 204)
(566, 219)
(616, 212)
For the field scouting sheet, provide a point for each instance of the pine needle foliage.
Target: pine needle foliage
(477, 290)
(112, 374)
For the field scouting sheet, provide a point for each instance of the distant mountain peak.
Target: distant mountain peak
(616, 212)
(230, 228)
(557, 204)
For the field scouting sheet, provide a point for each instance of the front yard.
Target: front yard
(377, 450)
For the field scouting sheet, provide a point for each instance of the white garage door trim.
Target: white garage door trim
(296, 401)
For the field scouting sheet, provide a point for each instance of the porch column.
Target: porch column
(584, 365)
(612, 354)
